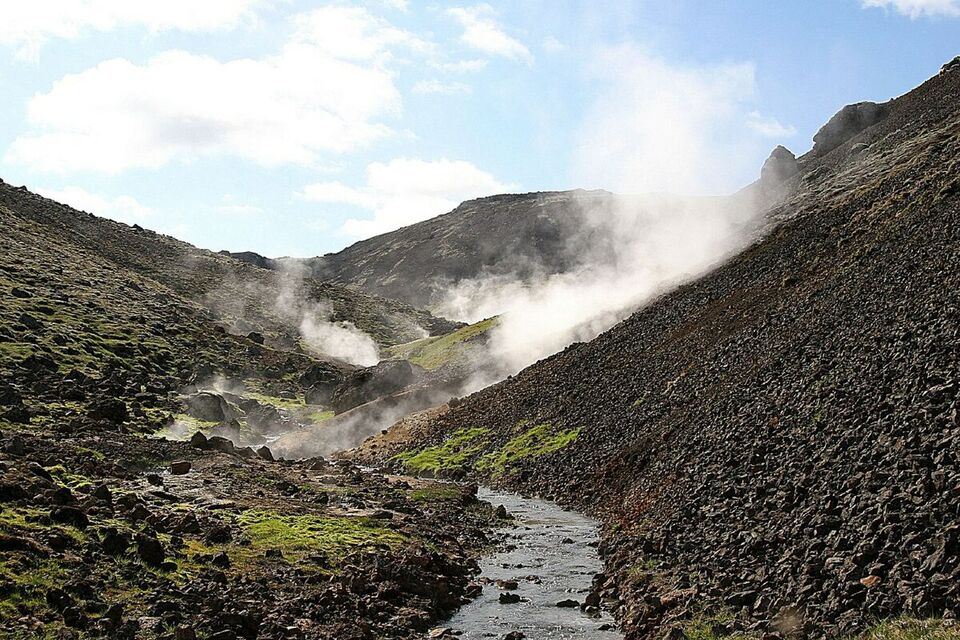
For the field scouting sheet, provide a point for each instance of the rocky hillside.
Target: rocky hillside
(521, 234)
(114, 342)
(242, 297)
(775, 447)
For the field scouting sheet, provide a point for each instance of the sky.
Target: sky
(296, 127)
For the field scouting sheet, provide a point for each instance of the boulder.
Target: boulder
(180, 467)
(108, 409)
(370, 383)
(781, 165)
(847, 123)
(320, 382)
(209, 407)
(150, 550)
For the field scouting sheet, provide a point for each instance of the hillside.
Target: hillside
(521, 235)
(773, 447)
(140, 379)
(243, 297)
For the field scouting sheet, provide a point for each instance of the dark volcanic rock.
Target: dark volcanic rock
(365, 385)
(209, 407)
(847, 123)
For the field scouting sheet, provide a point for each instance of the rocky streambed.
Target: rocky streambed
(537, 586)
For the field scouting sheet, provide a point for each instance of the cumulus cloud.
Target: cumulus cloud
(27, 26)
(406, 190)
(918, 8)
(121, 208)
(441, 88)
(481, 31)
(657, 126)
(768, 126)
(327, 91)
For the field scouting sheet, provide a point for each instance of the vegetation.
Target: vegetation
(432, 353)
(465, 448)
(453, 454)
(432, 494)
(537, 441)
(913, 629)
(299, 534)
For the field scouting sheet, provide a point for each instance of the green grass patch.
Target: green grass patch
(332, 535)
(913, 629)
(537, 441)
(317, 416)
(68, 479)
(432, 353)
(290, 404)
(434, 494)
(28, 580)
(453, 454)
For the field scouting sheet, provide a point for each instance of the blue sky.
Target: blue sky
(298, 127)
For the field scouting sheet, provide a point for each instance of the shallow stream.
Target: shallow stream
(551, 555)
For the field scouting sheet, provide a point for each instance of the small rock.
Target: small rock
(870, 581)
(180, 467)
(568, 604)
(509, 598)
(199, 440)
(150, 550)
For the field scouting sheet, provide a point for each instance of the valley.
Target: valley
(756, 440)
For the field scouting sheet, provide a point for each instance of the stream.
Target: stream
(550, 556)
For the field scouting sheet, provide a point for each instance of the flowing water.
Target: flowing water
(552, 556)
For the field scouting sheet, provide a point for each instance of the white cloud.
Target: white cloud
(655, 126)
(399, 5)
(552, 45)
(120, 208)
(918, 8)
(353, 33)
(462, 66)
(407, 190)
(768, 126)
(441, 88)
(481, 31)
(27, 26)
(327, 91)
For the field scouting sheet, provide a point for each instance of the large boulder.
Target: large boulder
(209, 407)
(780, 166)
(847, 123)
(320, 381)
(370, 383)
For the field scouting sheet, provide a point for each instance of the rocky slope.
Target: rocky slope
(774, 448)
(518, 234)
(242, 297)
(113, 337)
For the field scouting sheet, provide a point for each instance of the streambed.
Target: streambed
(552, 557)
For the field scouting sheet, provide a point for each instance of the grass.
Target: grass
(453, 454)
(432, 353)
(912, 629)
(336, 536)
(537, 441)
(433, 494)
(28, 581)
(67, 479)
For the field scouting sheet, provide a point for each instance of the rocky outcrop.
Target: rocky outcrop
(778, 167)
(368, 384)
(847, 123)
